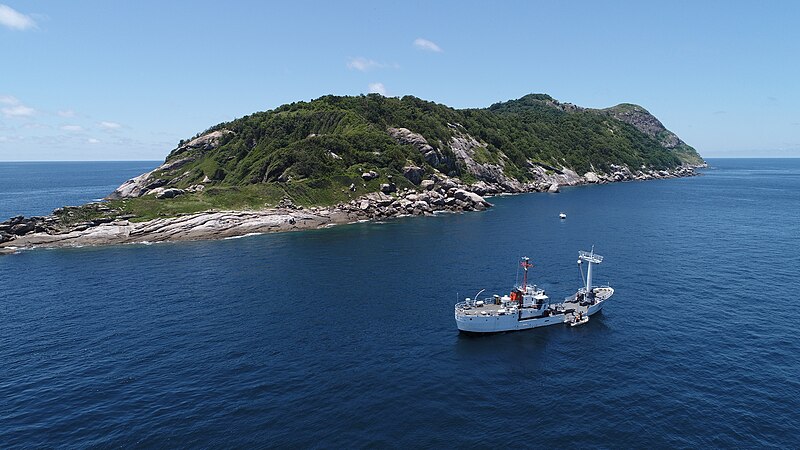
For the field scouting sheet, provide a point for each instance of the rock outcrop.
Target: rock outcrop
(466, 147)
(439, 194)
(170, 193)
(642, 120)
(52, 231)
(147, 182)
(414, 174)
(208, 141)
(433, 156)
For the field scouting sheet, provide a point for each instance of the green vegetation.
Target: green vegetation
(687, 155)
(320, 192)
(340, 136)
(312, 152)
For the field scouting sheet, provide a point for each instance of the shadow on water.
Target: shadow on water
(509, 340)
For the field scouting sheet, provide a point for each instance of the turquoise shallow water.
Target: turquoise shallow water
(345, 337)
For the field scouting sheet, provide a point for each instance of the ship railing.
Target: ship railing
(471, 302)
(468, 306)
(462, 306)
(590, 257)
(583, 289)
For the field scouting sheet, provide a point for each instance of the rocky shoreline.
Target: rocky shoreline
(440, 194)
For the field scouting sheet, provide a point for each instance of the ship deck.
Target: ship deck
(487, 309)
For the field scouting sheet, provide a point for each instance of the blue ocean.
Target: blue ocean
(36, 188)
(345, 337)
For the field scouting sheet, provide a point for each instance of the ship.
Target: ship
(528, 306)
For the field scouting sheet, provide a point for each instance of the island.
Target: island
(343, 159)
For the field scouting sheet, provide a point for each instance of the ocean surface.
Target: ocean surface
(345, 337)
(36, 188)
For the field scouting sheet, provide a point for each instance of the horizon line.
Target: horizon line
(77, 160)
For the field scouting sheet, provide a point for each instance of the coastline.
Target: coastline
(446, 195)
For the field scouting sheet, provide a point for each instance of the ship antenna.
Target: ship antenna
(525, 265)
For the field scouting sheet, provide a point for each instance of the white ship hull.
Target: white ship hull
(498, 324)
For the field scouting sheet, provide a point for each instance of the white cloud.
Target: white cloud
(15, 20)
(364, 64)
(110, 125)
(93, 141)
(36, 126)
(15, 108)
(72, 128)
(424, 44)
(66, 113)
(12, 138)
(377, 88)
(18, 111)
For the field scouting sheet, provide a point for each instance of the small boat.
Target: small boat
(562, 216)
(579, 320)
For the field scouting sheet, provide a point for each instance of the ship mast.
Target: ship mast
(525, 265)
(590, 258)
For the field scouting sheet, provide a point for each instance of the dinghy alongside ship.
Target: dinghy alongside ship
(527, 306)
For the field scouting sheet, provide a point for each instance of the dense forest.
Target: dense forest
(343, 136)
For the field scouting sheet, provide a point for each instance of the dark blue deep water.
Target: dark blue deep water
(36, 188)
(345, 337)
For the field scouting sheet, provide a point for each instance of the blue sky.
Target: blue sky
(109, 80)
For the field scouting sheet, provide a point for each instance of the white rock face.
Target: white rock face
(207, 225)
(131, 188)
(475, 198)
(464, 146)
(463, 195)
(591, 177)
(144, 183)
(422, 205)
(206, 142)
(406, 136)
